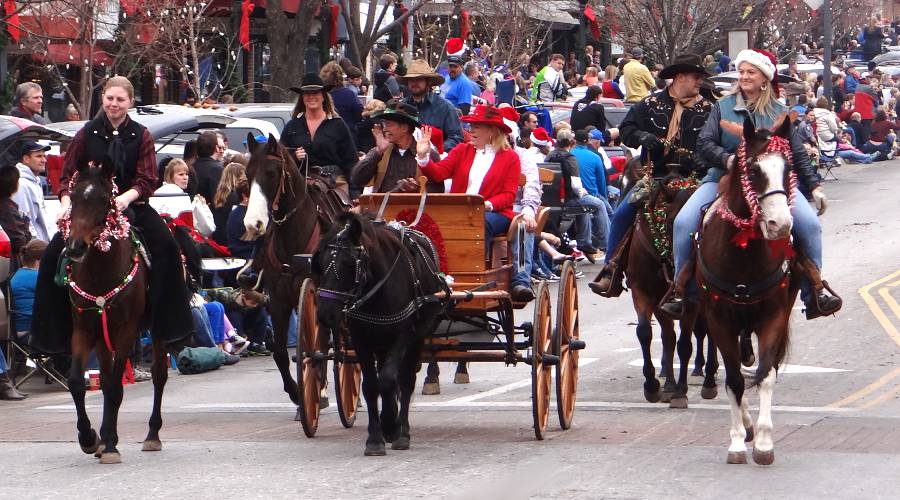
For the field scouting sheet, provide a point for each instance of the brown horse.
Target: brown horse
(649, 273)
(107, 281)
(744, 273)
(283, 195)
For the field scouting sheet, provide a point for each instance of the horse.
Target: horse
(649, 272)
(381, 281)
(745, 276)
(107, 279)
(283, 195)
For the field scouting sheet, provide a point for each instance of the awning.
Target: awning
(76, 53)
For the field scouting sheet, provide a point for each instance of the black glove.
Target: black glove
(650, 142)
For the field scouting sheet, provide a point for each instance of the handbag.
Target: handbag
(203, 217)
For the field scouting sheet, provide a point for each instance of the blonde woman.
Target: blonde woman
(226, 198)
(610, 87)
(754, 97)
(591, 76)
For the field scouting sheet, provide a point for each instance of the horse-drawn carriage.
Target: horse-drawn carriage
(477, 302)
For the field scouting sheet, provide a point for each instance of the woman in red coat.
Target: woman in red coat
(486, 166)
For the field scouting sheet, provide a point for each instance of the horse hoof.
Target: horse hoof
(401, 443)
(651, 397)
(709, 392)
(763, 457)
(750, 434)
(431, 388)
(152, 445)
(737, 457)
(375, 450)
(749, 361)
(679, 403)
(323, 402)
(112, 457)
(298, 417)
(666, 396)
(95, 444)
(695, 379)
(461, 378)
(99, 452)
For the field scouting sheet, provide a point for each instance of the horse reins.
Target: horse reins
(281, 188)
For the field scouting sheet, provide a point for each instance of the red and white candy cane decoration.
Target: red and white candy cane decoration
(748, 226)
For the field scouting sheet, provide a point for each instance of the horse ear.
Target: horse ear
(273, 144)
(784, 129)
(251, 141)
(749, 129)
(355, 227)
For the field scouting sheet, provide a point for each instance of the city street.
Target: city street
(230, 433)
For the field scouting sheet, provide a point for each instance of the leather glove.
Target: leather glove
(640, 192)
(820, 200)
(650, 142)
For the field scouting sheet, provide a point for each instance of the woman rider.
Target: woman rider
(318, 134)
(754, 97)
(114, 136)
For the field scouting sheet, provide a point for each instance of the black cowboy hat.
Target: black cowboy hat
(399, 111)
(684, 63)
(312, 83)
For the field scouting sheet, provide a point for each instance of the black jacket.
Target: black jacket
(652, 116)
(209, 172)
(569, 167)
(587, 113)
(332, 145)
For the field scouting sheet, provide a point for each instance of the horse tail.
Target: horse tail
(772, 352)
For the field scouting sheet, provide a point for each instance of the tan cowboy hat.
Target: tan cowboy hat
(421, 69)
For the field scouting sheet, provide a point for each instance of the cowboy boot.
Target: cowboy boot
(672, 302)
(608, 282)
(818, 303)
(8, 389)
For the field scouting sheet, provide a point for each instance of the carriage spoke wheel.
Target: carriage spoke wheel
(347, 380)
(565, 333)
(311, 352)
(540, 372)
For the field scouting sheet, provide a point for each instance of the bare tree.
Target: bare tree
(288, 39)
(364, 36)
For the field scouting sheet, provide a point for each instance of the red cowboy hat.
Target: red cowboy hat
(485, 114)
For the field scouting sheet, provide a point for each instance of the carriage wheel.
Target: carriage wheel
(540, 371)
(347, 381)
(565, 333)
(310, 356)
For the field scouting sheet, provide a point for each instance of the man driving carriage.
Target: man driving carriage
(666, 126)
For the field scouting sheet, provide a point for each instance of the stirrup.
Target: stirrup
(608, 282)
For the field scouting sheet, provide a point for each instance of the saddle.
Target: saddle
(330, 202)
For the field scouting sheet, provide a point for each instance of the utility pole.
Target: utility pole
(829, 41)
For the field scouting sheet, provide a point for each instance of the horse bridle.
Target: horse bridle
(349, 299)
(285, 174)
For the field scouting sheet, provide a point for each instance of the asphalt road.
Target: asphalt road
(230, 432)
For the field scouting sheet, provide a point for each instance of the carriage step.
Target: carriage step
(576, 345)
(550, 360)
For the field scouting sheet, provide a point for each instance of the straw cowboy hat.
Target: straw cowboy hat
(421, 69)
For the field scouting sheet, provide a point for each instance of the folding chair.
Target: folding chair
(828, 158)
(18, 346)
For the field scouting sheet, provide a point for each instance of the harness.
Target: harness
(354, 299)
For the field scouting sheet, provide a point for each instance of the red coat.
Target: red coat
(499, 185)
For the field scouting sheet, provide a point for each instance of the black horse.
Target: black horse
(381, 281)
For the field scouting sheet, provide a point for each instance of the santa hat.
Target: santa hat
(540, 137)
(455, 47)
(510, 118)
(762, 59)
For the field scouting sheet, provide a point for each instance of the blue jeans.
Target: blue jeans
(622, 219)
(849, 154)
(215, 311)
(3, 366)
(522, 275)
(594, 226)
(806, 230)
(202, 329)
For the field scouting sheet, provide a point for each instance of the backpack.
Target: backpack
(192, 360)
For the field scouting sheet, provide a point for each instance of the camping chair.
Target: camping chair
(828, 158)
(18, 346)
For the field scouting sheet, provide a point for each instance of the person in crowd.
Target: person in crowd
(713, 67)
(592, 76)
(30, 196)
(208, 169)
(22, 286)
(753, 97)
(175, 177)
(72, 114)
(542, 141)
(391, 165)
(458, 89)
(724, 64)
(589, 111)
(611, 88)
(317, 135)
(881, 139)
(865, 101)
(365, 141)
(346, 101)
(113, 133)
(245, 310)
(639, 83)
(486, 166)
(590, 227)
(666, 126)
(846, 150)
(8, 389)
(592, 168)
(837, 91)
(872, 39)
(189, 155)
(226, 198)
(386, 86)
(854, 127)
(29, 99)
(12, 220)
(528, 121)
(354, 79)
(800, 105)
(826, 123)
(434, 111)
(803, 128)
(549, 84)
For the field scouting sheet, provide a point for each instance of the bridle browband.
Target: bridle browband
(285, 175)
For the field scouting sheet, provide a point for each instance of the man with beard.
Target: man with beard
(433, 109)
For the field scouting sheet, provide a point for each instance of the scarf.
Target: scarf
(674, 131)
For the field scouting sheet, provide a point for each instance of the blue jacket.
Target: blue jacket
(436, 111)
(22, 287)
(592, 171)
(850, 84)
(458, 91)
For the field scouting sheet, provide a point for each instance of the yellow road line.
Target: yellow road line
(888, 327)
(885, 293)
(881, 399)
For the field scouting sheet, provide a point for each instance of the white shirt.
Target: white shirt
(480, 166)
(30, 198)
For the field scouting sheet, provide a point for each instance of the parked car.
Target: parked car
(278, 114)
(615, 110)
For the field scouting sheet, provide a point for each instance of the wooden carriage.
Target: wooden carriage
(479, 279)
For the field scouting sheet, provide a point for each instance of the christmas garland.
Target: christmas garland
(657, 216)
(116, 226)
